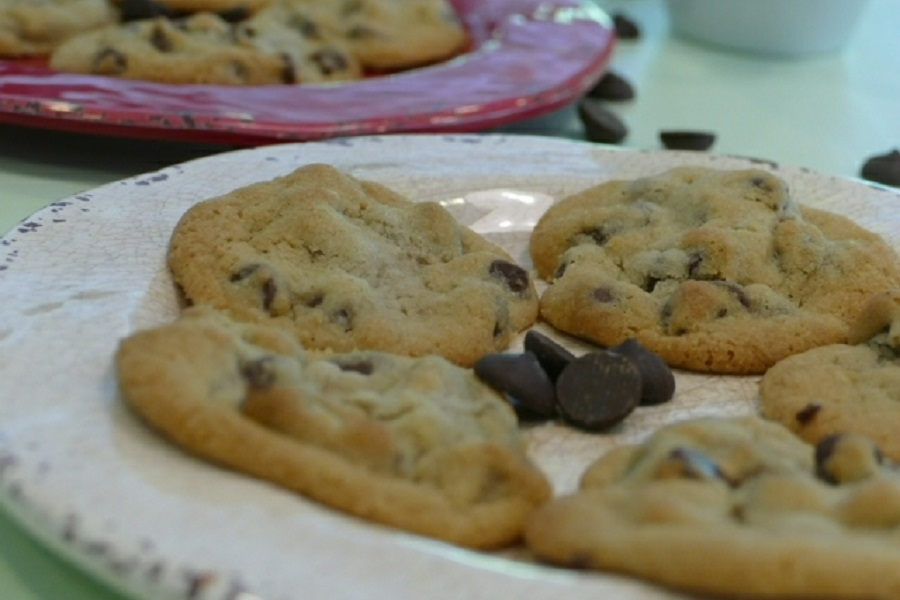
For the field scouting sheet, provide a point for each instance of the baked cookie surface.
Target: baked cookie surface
(418, 444)
(35, 27)
(853, 387)
(717, 271)
(349, 264)
(205, 48)
(735, 507)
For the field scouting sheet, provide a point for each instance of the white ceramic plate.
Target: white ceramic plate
(83, 475)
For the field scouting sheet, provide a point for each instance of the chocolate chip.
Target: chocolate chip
(598, 390)
(160, 40)
(109, 61)
(522, 379)
(259, 373)
(288, 69)
(600, 124)
(657, 379)
(808, 413)
(603, 294)
(687, 140)
(357, 365)
(514, 276)
(235, 14)
(329, 61)
(612, 86)
(884, 168)
(552, 356)
(134, 10)
(626, 28)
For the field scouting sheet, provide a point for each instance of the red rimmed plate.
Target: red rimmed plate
(529, 57)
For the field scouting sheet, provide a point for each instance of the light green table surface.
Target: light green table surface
(825, 113)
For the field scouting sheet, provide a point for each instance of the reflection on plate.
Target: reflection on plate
(529, 57)
(83, 475)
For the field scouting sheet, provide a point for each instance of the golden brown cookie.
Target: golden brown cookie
(36, 27)
(715, 270)
(419, 444)
(735, 508)
(853, 387)
(348, 264)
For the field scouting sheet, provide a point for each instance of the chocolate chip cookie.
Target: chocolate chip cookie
(348, 264)
(853, 387)
(205, 48)
(734, 507)
(35, 27)
(414, 443)
(715, 270)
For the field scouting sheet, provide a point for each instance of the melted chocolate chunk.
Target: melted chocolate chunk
(522, 379)
(600, 124)
(612, 86)
(552, 356)
(883, 168)
(657, 379)
(598, 390)
(514, 276)
(808, 413)
(687, 140)
(259, 373)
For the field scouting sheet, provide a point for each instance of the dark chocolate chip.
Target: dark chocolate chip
(109, 61)
(160, 40)
(598, 390)
(600, 235)
(657, 379)
(288, 69)
(687, 140)
(551, 355)
(514, 276)
(134, 10)
(270, 293)
(824, 450)
(603, 295)
(329, 61)
(522, 379)
(612, 86)
(626, 28)
(884, 168)
(808, 413)
(600, 124)
(358, 365)
(234, 15)
(259, 373)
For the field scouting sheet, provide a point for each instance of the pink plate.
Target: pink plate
(528, 57)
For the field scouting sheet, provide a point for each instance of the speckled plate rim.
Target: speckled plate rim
(90, 481)
(529, 57)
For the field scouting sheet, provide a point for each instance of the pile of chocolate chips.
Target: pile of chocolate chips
(594, 391)
(603, 126)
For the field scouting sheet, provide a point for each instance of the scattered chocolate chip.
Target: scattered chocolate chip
(612, 86)
(552, 356)
(626, 28)
(522, 379)
(657, 379)
(600, 124)
(359, 365)
(598, 390)
(259, 373)
(884, 168)
(109, 61)
(808, 413)
(515, 277)
(687, 140)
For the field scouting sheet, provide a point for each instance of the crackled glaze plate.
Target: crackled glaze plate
(528, 57)
(85, 477)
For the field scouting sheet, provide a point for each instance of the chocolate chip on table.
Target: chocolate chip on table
(687, 140)
(598, 390)
(626, 28)
(552, 356)
(600, 124)
(611, 86)
(883, 168)
(657, 379)
(522, 380)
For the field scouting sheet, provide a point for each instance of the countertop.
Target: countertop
(824, 113)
